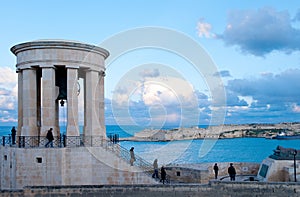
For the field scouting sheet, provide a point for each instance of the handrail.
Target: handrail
(58, 142)
(125, 155)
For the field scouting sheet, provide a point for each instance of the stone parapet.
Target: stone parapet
(214, 188)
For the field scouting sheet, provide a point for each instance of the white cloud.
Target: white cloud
(8, 89)
(150, 73)
(168, 92)
(8, 77)
(150, 97)
(204, 29)
(296, 108)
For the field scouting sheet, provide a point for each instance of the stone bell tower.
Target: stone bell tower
(48, 74)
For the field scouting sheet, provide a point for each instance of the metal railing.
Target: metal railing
(125, 155)
(144, 165)
(59, 141)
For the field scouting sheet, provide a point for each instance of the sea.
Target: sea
(195, 151)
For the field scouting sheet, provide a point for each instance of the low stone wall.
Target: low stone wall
(214, 188)
(203, 172)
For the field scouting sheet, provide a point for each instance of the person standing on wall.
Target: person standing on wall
(231, 172)
(13, 135)
(216, 170)
(132, 157)
(50, 138)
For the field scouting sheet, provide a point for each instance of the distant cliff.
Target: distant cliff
(221, 131)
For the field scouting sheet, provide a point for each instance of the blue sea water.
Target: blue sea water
(196, 151)
(223, 150)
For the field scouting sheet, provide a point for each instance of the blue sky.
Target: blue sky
(254, 46)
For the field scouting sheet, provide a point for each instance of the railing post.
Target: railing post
(23, 141)
(64, 140)
(3, 140)
(9, 139)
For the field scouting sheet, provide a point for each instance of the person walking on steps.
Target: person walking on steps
(155, 167)
(132, 157)
(163, 174)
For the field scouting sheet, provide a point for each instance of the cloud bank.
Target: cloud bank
(8, 95)
(258, 32)
(266, 98)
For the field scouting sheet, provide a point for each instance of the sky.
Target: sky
(172, 62)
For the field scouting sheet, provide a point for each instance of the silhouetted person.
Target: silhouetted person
(132, 157)
(155, 167)
(13, 135)
(50, 138)
(231, 172)
(216, 170)
(163, 174)
(64, 140)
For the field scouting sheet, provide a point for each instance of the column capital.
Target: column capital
(28, 67)
(47, 66)
(72, 67)
(102, 73)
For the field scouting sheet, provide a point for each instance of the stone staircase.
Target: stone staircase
(124, 154)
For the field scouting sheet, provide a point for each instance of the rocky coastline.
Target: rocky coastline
(217, 132)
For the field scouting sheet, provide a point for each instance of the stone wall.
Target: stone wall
(203, 172)
(22, 167)
(214, 188)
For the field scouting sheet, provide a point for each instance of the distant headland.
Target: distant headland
(219, 132)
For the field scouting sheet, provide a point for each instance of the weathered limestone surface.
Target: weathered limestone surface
(66, 166)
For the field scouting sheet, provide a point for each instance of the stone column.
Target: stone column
(101, 104)
(72, 101)
(48, 101)
(20, 102)
(91, 109)
(29, 103)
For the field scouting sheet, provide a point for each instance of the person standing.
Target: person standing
(216, 170)
(132, 157)
(50, 138)
(13, 135)
(155, 167)
(163, 174)
(231, 172)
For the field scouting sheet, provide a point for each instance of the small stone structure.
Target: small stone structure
(280, 166)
